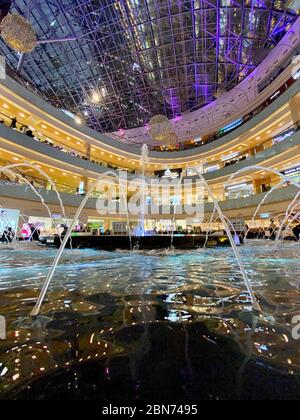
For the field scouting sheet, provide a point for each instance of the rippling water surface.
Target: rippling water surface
(150, 325)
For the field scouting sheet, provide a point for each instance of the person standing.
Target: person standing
(14, 122)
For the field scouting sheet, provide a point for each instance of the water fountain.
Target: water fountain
(174, 214)
(254, 301)
(226, 223)
(46, 285)
(144, 160)
(284, 179)
(200, 312)
(43, 173)
(9, 169)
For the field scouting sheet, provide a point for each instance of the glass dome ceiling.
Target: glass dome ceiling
(122, 62)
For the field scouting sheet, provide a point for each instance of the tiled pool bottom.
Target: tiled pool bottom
(150, 326)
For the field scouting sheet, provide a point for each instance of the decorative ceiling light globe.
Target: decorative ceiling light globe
(160, 128)
(18, 33)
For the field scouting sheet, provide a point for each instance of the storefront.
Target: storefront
(9, 218)
(234, 192)
(283, 136)
(95, 223)
(293, 173)
(46, 224)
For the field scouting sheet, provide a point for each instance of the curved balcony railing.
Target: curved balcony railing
(51, 142)
(187, 145)
(11, 189)
(285, 133)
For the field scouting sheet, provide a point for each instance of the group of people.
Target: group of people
(8, 235)
(272, 231)
(15, 125)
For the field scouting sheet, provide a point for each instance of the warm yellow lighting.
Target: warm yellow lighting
(95, 97)
(18, 33)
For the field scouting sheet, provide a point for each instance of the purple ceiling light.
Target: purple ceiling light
(144, 58)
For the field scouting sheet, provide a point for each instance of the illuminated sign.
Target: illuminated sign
(283, 136)
(237, 187)
(68, 113)
(56, 216)
(292, 171)
(231, 156)
(275, 95)
(265, 215)
(231, 126)
(212, 168)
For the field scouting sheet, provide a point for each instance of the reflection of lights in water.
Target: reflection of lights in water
(175, 316)
(201, 276)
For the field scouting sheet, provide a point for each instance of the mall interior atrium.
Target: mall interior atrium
(150, 201)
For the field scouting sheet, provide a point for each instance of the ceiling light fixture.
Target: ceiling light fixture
(18, 33)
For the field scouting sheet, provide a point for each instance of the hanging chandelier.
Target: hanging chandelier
(160, 129)
(18, 33)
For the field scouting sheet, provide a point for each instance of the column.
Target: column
(294, 104)
(88, 151)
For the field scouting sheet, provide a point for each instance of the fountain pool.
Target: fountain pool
(157, 325)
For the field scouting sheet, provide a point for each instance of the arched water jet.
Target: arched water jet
(57, 258)
(288, 213)
(209, 226)
(8, 223)
(262, 203)
(263, 168)
(49, 179)
(9, 168)
(254, 301)
(174, 214)
(144, 160)
(294, 218)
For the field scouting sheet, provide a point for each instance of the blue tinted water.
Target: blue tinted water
(106, 308)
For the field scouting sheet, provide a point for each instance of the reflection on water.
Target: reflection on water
(150, 325)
